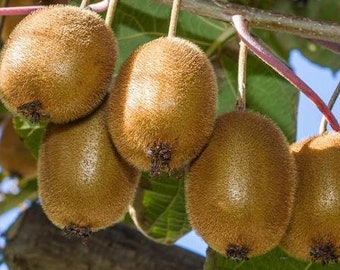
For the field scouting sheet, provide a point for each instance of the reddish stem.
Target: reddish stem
(270, 59)
(332, 46)
(100, 6)
(11, 11)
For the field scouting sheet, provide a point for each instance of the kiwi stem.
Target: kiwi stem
(331, 46)
(111, 12)
(323, 123)
(273, 61)
(241, 76)
(12, 11)
(84, 3)
(176, 5)
(100, 6)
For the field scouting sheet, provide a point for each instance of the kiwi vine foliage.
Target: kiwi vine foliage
(162, 198)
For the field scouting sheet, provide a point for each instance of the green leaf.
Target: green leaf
(276, 259)
(159, 208)
(28, 192)
(267, 93)
(325, 10)
(282, 44)
(30, 133)
(137, 22)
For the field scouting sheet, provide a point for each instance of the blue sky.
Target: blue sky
(321, 80)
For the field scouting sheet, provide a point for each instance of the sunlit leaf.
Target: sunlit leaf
(159, 208)
(30, 133)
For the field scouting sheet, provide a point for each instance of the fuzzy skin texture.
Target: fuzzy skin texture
(240, 190)
(61, 56)
(81, 178)
(316, 215)
(165, 92)
(15, 158)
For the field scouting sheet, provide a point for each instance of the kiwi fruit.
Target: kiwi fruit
(314, 230)
(240, 190)
(8, 23)
(84, 185)
(162, 109)
(15, 159)
(57, 64)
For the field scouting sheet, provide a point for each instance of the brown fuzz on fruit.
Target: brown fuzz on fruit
(15, 159)
(82, 181)
(240, 190)
(57, 64)
(162, 109)
(314, 230)
(237, 253)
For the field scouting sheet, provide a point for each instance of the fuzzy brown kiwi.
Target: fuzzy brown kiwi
(314, 231)
(15, 159)
(84, 185)
(162, 109)
(57, 64)
(8, 23)
(240, 190)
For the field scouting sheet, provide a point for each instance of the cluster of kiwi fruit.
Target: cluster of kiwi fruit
(247, 189)
(57, 67)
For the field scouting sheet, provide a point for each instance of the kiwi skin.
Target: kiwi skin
(240, 190)
(57, 64)
(162, 109)
(15, 159)
(314, 231)
(84, 185)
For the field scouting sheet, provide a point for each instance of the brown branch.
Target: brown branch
(35, 244)
(263, 19)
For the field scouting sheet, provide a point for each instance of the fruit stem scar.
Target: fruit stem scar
(160, 155)
(32, 111)
(325, 253)
(237, 252)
